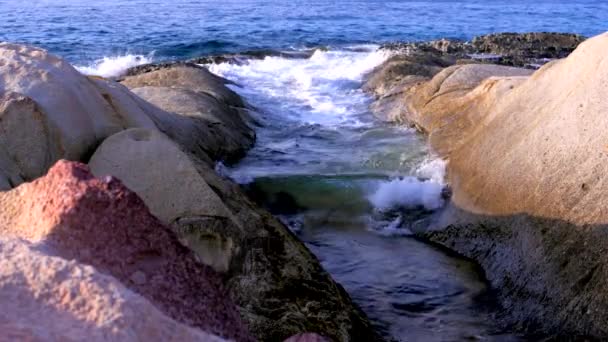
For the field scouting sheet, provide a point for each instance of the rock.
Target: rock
(529, 50)
(48, 298)
(191, 77)
(447, 97)
(103, 224)
(307, 337)
(521, 49)
(220, 130)
(404, 69)
(442, 99)
(529, 195)
(166, 179)
(279, 286)
(49, 111)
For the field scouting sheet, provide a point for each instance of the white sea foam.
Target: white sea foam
(411, 192)
(326, 86)
(114, 66)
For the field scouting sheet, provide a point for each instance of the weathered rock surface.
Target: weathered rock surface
(431, 103)
(189, 76)
(280, 287)
(512, 49)
(218, 129)
(207, 119)
(48, 298)
(103, 224)
(49, 111)
(167, 180)
(527, 167)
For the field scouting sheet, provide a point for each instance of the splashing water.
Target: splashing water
(351, 187)
(114, 66)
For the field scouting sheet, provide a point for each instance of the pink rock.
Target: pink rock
(103, 224)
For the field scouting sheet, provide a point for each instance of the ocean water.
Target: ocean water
(351, 187)
(85, 30)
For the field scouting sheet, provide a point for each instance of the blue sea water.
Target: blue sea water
(85, 30)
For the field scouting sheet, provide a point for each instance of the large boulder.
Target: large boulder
(48, 298)
(49, 111)
(101, 223)
(220, 130)
(185, 76)
(530, 195)
(279, 286)
(167, 180)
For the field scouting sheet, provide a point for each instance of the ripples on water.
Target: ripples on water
(84, 30)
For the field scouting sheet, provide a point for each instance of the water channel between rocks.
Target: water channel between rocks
(350, 186)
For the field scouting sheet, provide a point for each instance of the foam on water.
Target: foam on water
(323, 89)
(114, 66)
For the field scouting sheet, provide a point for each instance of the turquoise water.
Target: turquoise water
(84, 30)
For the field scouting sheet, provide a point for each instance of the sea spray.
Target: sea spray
(114, 66)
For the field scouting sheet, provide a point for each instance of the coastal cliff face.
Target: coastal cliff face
(165, 235)
(527, 167)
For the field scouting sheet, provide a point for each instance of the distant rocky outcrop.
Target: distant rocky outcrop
(527, 167)
(512, 49)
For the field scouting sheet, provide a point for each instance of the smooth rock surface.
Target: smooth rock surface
(529, 192)
(103, 224)
(189, 76)
(48, 298)
(220, 130)
(167, 180)
(49, 111)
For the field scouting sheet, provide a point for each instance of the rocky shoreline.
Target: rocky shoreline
(148, 199)
(115, 225)
(525, 154)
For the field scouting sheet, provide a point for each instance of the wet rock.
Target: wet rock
(280, 287)
(402, 70)
(103, 224)
(521, 49)
(512, 49)
(48, 298)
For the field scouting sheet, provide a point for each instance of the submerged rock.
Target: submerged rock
(101, 223)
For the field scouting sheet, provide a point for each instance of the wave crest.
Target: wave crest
(114, 66)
